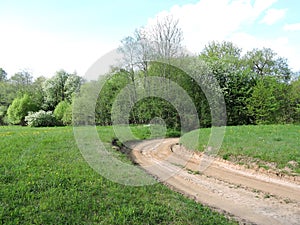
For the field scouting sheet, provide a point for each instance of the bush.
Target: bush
(63, 113)
(68, 116)
(41, 119)
(19, 108)
(173, 133)
(3, 119)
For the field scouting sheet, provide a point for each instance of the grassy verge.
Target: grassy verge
(45, 180)
(269, 145)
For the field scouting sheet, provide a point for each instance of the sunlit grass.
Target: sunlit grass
(45, 180)
(271, 143)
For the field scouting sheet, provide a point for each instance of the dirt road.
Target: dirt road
(247, 195)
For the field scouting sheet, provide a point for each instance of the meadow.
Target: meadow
(45, 180)
(267, 146)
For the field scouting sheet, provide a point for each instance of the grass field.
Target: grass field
(267, 145)
(45, 180)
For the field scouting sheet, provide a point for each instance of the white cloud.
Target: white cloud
(281, 45)
(220, 20)
(262, 5)
(210, 20)
(273, 15)
(292, 27)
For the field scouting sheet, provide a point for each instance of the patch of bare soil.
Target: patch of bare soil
(251, 196)
(269, 168)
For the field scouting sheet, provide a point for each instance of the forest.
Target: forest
(258, 86)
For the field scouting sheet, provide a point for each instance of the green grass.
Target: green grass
(144, 132)
(279, 144)
(45, 180)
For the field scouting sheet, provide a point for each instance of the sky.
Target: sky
(43, 36)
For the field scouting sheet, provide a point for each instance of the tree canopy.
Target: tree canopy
(258, 86)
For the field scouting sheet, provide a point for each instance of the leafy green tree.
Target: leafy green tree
(84, 104)
(263, 105)
(60, 110)
(236, 81)
(111, 88)
(184, 80)
(54, 89)
(63, 112)
(60, 88)
(21, 81)
(265, 62)
(284, 99)
(19, 84)
(19, 109)
(3, 110)
(3, 75)
(36, 91)
(295, 99)
(72, 86)
(7, 95)
(68, 115)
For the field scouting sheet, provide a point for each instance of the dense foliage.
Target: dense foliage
(41, 119)
(251, 97)
(258, 86)
(19, 109)
(20, 95)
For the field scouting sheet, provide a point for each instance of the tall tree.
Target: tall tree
(60, 87)
(72, 86)
(3, 75)
(36, 91)
(162, 41)
(167, 37)
(22, 78)
(265, 62)
(295, 99)
(21, 81)
(236, 81)
(129, 49)
(263, 105)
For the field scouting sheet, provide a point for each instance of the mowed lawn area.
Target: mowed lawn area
(45, 180)
(268, 146)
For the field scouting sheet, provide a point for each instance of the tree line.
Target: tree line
(44, 101)
(258, 86)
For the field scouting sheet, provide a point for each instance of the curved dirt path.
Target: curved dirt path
(246, 195)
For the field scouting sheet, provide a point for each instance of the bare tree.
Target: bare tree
(167, 38)
(145, 50)
(129, 49)
(161, 41)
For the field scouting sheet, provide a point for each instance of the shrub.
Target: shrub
(63, 113)
(3, 119)
(19, 109)
(60, 110)
(41, 119)
(68, 116)
(173, 133)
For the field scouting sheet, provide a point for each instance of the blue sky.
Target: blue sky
(45, 36)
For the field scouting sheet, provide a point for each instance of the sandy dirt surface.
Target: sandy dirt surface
(249, 196)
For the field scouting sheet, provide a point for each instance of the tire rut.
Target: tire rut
(248, 196)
